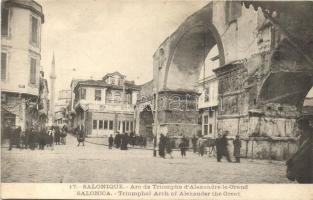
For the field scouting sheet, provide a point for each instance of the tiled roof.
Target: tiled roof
(101, 83)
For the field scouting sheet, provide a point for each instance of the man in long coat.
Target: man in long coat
(162, 144)
(237, 146)
(300, 165)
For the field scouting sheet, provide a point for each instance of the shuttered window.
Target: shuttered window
(3, 66)
(33, 71)
(4, 22)
(34, 35)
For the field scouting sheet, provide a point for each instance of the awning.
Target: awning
(81, 106)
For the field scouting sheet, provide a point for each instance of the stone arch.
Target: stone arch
(189, 46)
(289, 79)
(146, 121)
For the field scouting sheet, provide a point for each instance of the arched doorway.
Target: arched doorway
(146, 123)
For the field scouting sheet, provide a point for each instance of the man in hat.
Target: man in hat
(300, 165)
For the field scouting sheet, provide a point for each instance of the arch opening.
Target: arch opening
(189, 55)
(146, 123)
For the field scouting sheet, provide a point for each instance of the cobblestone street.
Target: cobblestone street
(96, 163)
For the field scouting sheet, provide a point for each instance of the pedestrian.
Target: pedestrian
(124, 141)
(183, 147)
(300, 164)
(41, 139)
(32, 138)
(162, 143)
(237, 146)
(223, 146)
(11, 133)
(117, 140)
(50, 132)
(81, 136)
(111, 141)
(18, 133)
(218, 147)
(168, 146)
(201, 145)
(194, 143)
(57, 135)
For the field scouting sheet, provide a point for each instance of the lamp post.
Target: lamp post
(156, 119)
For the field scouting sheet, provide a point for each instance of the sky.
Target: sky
(93, 37)
(96, 37)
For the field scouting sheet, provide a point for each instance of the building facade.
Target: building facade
(265, 71)
(20, 61)
(61, 108)
(104, 107)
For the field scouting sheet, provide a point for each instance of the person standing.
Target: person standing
(201, 146)
(237, 146)
(117, 140)
(224, 144)
(168, 146)
(41, 139)
(183, 147)
(194, 143)
(125, 140)
(81, 137)
(162, 143)
(110, 141)
(218, 148)
(11, 132)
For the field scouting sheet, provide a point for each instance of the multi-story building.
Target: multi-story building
(20, 61)
(106, 106)
(61, 107)
(207, 86)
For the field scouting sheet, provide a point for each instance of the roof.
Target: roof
(27, 4)
(112, 74)
(129, 85)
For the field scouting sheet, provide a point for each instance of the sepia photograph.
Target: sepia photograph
(173, 94)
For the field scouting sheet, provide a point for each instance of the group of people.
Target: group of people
(199, 145)
(35, 137)
(166, 146)
(222, 148)
(122, 140)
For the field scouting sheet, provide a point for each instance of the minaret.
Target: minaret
(52, 90)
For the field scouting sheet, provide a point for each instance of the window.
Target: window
(120, 82)
(205, 130)
(210, 128)
(33, 71)
(232, 11)
(105, 124)
(117, 98)
(97, 95)
(3, 66)
(82, 115)
(131, 126)
(5, 22)
(100, 124)
(94, 124)
(127, 126)
(83, 93)
(206, 95)
(206, 119)
(124, 125)
(110, 125)
(211, 112)
(34, 35)
(119, 125)
(113, 81)
(221, 104)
